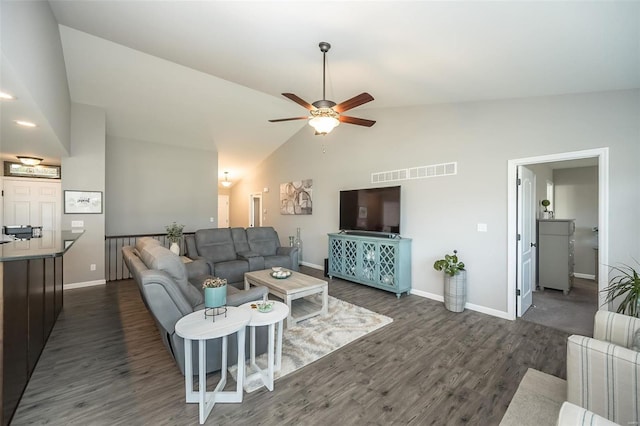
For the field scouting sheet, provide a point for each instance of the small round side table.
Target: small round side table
(197, 326)
(279, 312)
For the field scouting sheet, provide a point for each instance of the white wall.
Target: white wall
(577, 198)
(84, 170)
(31, 44)
(441, 214)
(150, 185)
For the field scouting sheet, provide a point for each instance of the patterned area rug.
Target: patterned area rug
(318, 336)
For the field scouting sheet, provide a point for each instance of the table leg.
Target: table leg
(279, 347)
(188, 371)
(325, 300)
(290, 321)
(241, 372)
(270, 361)
(202, 380)
(252, 345)
(246, 283)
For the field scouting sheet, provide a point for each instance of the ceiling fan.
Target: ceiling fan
(326, 114)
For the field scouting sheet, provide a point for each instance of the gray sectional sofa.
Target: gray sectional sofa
(230, 252)
(171, 289)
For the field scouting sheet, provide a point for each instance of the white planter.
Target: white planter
(175, 249)
(455, 291)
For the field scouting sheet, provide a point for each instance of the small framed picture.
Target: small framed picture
(83, 202)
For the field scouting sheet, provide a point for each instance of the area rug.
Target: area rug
(537, 400)
(318, 336)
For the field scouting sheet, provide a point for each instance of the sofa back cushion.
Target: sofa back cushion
(215, 245)
(144, 241)
(263, 240)
(240, 242)
(160, 258)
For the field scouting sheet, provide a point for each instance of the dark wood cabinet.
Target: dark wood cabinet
(31, 302)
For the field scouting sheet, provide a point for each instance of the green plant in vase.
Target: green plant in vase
(174, 234)
(450, 264)
(455, 281)
(625, 285)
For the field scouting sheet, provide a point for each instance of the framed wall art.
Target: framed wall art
(296, 197)
(83, 202)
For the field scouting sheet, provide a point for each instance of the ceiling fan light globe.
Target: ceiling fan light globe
(323, 125)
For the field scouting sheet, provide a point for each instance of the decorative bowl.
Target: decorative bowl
(281, 274)
(264, 307)
(276, 268)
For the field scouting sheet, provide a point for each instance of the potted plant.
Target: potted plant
(215, 292)
(174, 234)
(546, 214)
(625, 285)
(455, 281)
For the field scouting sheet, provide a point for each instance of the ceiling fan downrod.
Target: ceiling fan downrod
(324, 103)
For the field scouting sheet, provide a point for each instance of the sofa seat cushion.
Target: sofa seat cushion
(233, 270)
(160, 258)
(215, 245)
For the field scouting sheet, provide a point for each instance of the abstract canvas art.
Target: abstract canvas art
(295, 197)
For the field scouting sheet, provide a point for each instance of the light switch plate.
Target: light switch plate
(77, 223)
(482, 227)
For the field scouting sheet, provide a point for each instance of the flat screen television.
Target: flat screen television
(370, 210)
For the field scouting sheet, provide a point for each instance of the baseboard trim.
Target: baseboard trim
(584, 276)
(312, 265)
(84, 284)
(470, 306)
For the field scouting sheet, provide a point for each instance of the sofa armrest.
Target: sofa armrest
(615, 328)
(292, 252)
(198, 267)
(603, 378)
(573, 415)
(244, 296)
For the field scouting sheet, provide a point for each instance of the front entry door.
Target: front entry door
(526, 244)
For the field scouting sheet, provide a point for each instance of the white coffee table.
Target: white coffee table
(196, 327)
(276, 316)
(289, 289)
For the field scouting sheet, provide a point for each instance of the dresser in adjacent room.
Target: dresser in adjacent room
(555, 254)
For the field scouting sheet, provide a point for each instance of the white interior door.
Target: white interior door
(223, 211)
(34, 202)
(526, 241)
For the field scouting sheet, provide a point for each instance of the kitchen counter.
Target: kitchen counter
(31, 298)
(51, 244)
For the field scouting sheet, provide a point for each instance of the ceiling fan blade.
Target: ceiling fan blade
(356, 101)
(358, 121)
(299, 101)
(287, 119)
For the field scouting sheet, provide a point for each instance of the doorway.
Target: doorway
(515, 218)
(255, 210)
(223, 211)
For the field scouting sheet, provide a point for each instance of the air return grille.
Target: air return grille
(422, 172)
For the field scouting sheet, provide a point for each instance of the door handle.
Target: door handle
(534, 245)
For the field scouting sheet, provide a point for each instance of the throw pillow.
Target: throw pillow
(635, 344)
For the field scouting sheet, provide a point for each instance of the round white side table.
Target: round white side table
(279, 312)
(196, 326)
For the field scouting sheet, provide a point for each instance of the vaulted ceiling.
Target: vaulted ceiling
(209, 74)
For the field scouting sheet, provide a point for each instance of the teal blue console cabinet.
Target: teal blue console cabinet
(380, 262)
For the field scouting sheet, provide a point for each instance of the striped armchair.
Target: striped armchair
(603, 373)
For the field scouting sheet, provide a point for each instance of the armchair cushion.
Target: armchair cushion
(263, 240)
(615, 328)
(603, 377)
(573, 415)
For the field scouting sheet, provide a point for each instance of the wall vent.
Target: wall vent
(421, 172)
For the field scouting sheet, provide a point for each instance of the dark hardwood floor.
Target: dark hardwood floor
(105, 364)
